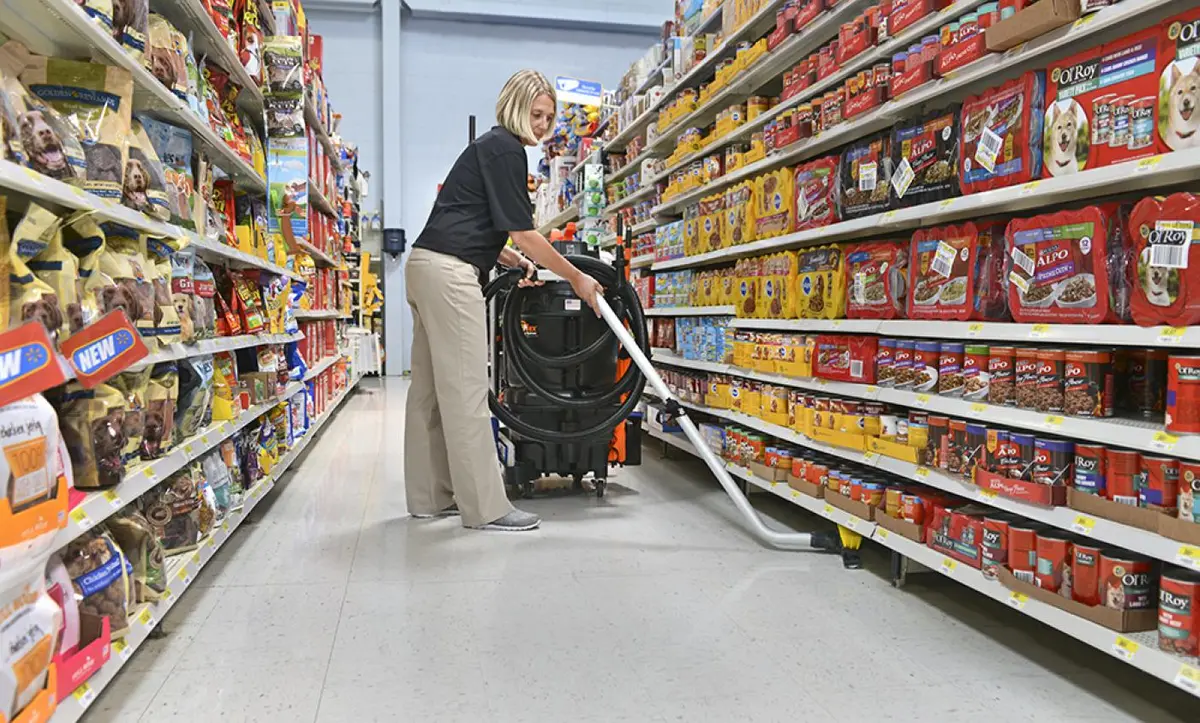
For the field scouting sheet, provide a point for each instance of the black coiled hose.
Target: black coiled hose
(521, 357)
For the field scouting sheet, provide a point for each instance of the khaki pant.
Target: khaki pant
(447, 399)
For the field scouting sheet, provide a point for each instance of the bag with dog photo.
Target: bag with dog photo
(173, 147)
(130, 25)
(161, 396)
(133, 386)
(145, 183)
(183, 292)
(31, 298)
(97, 101)
(1166, 256)
(93, 425)
(158, 267)
(204, 303)
(129, 285)
(35, 135)
(165, 56)
(100, 11)
(1179, 84)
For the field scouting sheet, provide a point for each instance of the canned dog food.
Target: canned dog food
(993, 546)
(1053, 559)
(1020, 457)
(1022, 550)
(993, 458)
(1051, 371)
(1141, 122)
(950, 378)
(1178, 615)
(1121, 470)
(1085, 572)
(884, 371)
(1189, 491)
(1001, 372)
(1088, 384)
(1052, 460)
(1128, 580)
(1158, 483)
(975, 373)
(937, 450)
(1088, 475)
(1183, 394)
(926, 357)
(975, 450)
(1148, 381)
(956, 448)
(1025, 375)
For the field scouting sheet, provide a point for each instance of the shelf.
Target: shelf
(592, 157)
(314, 122)
(618, 175)
(1138, 649)
(234, 257)
(644, 261)
(562, 219)
(176, 352)
(319, 257)
(644, 227)
(99, 505)
(985, 72)
(317, 199)
(182, 570)
(321, 366)
(657, 73)
(646, 191)
(618, 142)
(691, 311)
(310, 314)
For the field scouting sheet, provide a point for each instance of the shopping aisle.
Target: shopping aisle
(648, 606)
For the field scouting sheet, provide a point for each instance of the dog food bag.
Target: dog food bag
(58, 585)
(128, 281)
(815, 185)
(774, 201)
(97, 101)
(173, 511)
(821, 283)
(283, 58)
(158, 253)
(877, 276)
(145, 180)
(31, 622)
(92, 423)
(1179, 84)
(73, 260)
(925, 159)
(251, 39)
(194, 410)
(173, 148)
(34, 133)
(225, 382)
(130, 25)
(1058, 266)
(11, 110)
(165, 57)
(162, 395)
(1102, 105)
(183, 293)
(204, 308)
(865, 177)
(1165, 235)
(220, 481)
(30, 297)
(147, 560)
(133, 386)
(1002, 134)
(957, 272)
(100, 11)
(100, 574)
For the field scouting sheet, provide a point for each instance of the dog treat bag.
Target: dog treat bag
(133, 386)
(93, 424)
(165, 57)
(145, 182)
(173, 511)
(183, 292)
(100, 574)
(130, 24)
(194, 410)
(58, 585)
(158, 268)
(147, 560)
(31, 298)
(283, 60)
(173, 147)
(250, 50)
(29, 468)
(130, 283)
(11, 109)
(204, 305)
(35, 134)
(84, 240)
(97, 101)
(162, 394)
(30, 621)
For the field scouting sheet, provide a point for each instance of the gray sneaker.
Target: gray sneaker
(515, 521)
(451, 511)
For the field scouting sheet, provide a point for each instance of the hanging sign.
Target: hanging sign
(27, 363)
(574, 90)
(104, 349)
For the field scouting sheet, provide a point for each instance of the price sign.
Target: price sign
(948, 566)
(147, 617)
(187, 449)
(122, 649)
(1083, 524)
(1039, 331)
(1146, 164)
(870, 457)
(978, 408)
(1054, 421)
(922, 471)
(828, 510)
(1124, 648)
(1164, 442)
(204, 440)
(81, 519)
(1188, 556)
(1030, 188)
(974, 329)
(795, 494)
(922, 400)
(1171, 334)
(852, 523)
(1017, 600)
(84, 695)
(148, 473)
(881, 533)
(114, 499)
(987, 494)
(1188, 678)
(196, 557)
(947, 204)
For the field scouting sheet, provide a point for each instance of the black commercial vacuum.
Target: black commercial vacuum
(564, 387)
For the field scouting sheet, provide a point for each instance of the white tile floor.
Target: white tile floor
(651, 605)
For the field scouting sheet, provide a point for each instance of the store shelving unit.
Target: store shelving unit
(309, 314)
(314, 121)
(182, 571)
(317, 199)
(690, 311)
(562, 219)
(209, 43)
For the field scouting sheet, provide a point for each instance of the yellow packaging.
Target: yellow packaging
(752, 398)
(821, 284)
(739, 215)
(775, 404)
(711, 222)
(718, 395)
(743, 349)
(729, 286)
(774, 203)
(747, 289)
(691, 230)
(737, 389)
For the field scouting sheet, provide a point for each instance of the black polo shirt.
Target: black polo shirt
(484, 198)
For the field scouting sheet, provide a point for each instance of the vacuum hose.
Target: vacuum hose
(522, 358)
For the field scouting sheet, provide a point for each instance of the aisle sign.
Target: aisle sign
(104, 349)
(574, 90)
(27, 363)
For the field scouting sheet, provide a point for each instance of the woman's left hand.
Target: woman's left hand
(529, 277)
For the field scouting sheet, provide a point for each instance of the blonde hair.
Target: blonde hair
(515, 104)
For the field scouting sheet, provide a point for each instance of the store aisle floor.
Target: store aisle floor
(651, 605)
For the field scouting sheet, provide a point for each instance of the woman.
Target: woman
(483, 202)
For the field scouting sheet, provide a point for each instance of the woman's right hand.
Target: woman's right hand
(587, 289)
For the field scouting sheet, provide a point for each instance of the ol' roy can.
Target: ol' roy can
(1178, 618)
(1183, 394)
(1088, 475)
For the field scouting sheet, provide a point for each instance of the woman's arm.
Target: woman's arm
(539, 249)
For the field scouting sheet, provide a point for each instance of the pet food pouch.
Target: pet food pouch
(31, 298)
(158, 253)
(145, 184)
(93, 425)
(183, 293)
(865, 176)
(147, 560)
(925, 159)
(31, 621)
(194, 410)
(877, 276)
(133, 387)
(173, 511)
(172, 146)
(84, 240)
(100, 11)
(131, 286)
(815, 185)
(97, 101)
(1179, 84)
(1166, 246)
(162, 394)
(1058, 266)
(1102, 105)
(100, 574)
(956, 273)
(130, 25)
(1002, 134)
(36, 135)
(774, 200)
(33, 502)
(821, 283)
(283, 60)
(165, 58)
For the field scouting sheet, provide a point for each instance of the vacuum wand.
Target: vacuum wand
(782, 540)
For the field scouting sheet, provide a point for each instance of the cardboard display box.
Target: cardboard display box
(770, 474)
(842, 502)
(1027, 24)
(1178, 529)
(1140, 517)
(904, 528)
(805, 487)
(1122, 621)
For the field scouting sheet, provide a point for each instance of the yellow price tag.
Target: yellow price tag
(975, 329)
(196, 557)
(946, 204)
(1030, 188)
(922, 400)
(1014, 50)
(80, 518)
(1163, 441)
(1053, 420)
(114, 499)
(147, 617)
(187, 449)
(852, 523)
(1171, 334)
(978, 408)
(887, 217)
(1125, 648)
(795, 494)
(84, 695)
(1083, 524)
(872, 389)
(922, 471)
(148, 472)
(881, 533)
(122, 649)
(1018, 600)
(1147, 164)
(948, 566)
(987, 494)
(870, 457)
(1188, 556)
(1037, 331)
(1083, 21)
(1188, 678)
(828, 510)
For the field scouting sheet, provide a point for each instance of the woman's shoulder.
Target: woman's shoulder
(498, 141)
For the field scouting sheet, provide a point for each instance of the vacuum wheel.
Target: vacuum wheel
(600, 487)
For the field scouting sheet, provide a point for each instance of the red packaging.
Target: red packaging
(1092, 98)
(876, 278)
(994, 546)
(1158, 483)
(807, 11)
(1011, 118)
(1022, 549)
(906, 12)
(1053, 559)
(960, 54)
(1179, 612)
(1128, 580)
(1121, 469)
(846, 358)
(816, 193)
(1180, 82)
(1183, 394)
(1165, 233)
(853, 38)
(957, 273)
(1059, 267)
(957, 534)
(1085, 573)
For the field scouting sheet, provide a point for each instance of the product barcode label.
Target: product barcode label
(856, 368)
(902, 178)
(1022, 260)
(988, 148)
(943, 260)
(868, 176)
(1169, 243)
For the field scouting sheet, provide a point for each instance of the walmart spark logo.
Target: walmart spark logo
(21, 361)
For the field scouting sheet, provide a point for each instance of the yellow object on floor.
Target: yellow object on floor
(850, 539)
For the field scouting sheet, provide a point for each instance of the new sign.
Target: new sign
(27, 363)
(104, 349)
